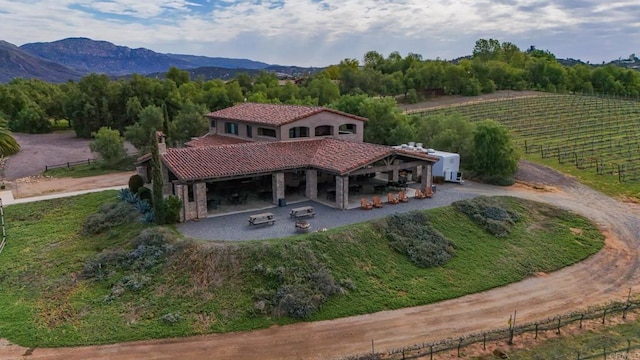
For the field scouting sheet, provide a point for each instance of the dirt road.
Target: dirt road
(606, 276)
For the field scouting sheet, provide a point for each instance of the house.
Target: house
(270, 148)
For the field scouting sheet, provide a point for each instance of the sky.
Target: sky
(324, 32)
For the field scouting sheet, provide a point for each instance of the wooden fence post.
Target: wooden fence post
(581, 317)
(484, 341)
(558, 330)
(536, 336)
(604, 315)
(459, 345)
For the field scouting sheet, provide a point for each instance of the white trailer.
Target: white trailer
(447, 167)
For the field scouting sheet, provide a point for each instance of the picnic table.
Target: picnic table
(302, 212)
(264, 218)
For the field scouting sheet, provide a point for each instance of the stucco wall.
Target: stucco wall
(330, 119)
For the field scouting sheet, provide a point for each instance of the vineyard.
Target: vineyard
(592, 133)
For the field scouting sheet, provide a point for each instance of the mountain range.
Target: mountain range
(73, 58)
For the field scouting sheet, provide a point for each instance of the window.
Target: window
(190, 196)
(324, 130)
(249, 131)
(298, 132)
(231, 128)
(212, 123)
(267, 132)
(347, 129)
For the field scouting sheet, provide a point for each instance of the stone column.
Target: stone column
(342, 192)
(426, 176)
(200, 195)
(311, 187)
(277, 186)
(180, 193)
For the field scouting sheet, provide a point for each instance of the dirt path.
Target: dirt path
(606, 276)
(38, 185)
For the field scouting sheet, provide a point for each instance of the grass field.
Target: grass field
(212, 287)
(594, 138)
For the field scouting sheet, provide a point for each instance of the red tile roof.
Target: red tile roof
(273, 114)
(214, 140)
(337, 156)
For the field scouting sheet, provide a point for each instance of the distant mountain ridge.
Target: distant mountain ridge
(17, 63)
(73, 58)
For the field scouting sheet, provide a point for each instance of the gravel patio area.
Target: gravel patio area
(235, 227)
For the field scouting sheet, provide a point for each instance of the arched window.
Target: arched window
(347, 129)
(298, 132)
(324, 130)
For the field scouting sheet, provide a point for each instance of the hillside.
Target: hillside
(17, 63)
(86, 55)
(220, 62)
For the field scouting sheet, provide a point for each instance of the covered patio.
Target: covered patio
(232, 177)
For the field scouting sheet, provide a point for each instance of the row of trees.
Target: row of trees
(96, 100)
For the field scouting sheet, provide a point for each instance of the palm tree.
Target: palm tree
(8, 144)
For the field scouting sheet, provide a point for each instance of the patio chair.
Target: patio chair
(402, 197)
(392, 199)
(376, 202)
(428, 193)
(419, 194)
(365, 205)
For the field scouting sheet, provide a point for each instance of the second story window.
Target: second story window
(231, 128)
(267, 132)
(298, 132)
(249, 131)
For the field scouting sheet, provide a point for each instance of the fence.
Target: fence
(70, 164)
(428, 350)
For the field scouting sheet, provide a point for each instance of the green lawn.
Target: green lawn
(206, 287)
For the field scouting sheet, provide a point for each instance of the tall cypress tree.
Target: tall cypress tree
(156, 173)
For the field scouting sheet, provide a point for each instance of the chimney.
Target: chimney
(162, 145)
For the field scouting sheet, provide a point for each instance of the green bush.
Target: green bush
(108, 216)
(490, 213)
(150, 248)
(411, 234)
(135, 182)
(300, 285)
(145, 194)
(172, 205)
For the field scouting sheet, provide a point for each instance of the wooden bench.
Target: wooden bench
(264, 218)
(302, 211)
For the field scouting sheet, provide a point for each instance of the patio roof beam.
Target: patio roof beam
(385, 168)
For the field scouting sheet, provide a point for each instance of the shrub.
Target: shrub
(150, 248)
(411, 234)
(300, 285)
(172, 318)
(109, 215)
(144, 193)
(490, 213)
(135, 182)
(128, 196)
(172, 205)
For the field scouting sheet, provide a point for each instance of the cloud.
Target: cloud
(320, 32)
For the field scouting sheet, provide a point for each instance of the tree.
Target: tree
(158, 181)
(495, 156)
(384, 116)
(8, 144)
(189, 122)
(109, 145)
(151, 120)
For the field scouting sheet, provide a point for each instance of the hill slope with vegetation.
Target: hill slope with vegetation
(71, 283)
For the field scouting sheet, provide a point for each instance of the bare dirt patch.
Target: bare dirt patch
(443, 101)
(23, 170)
